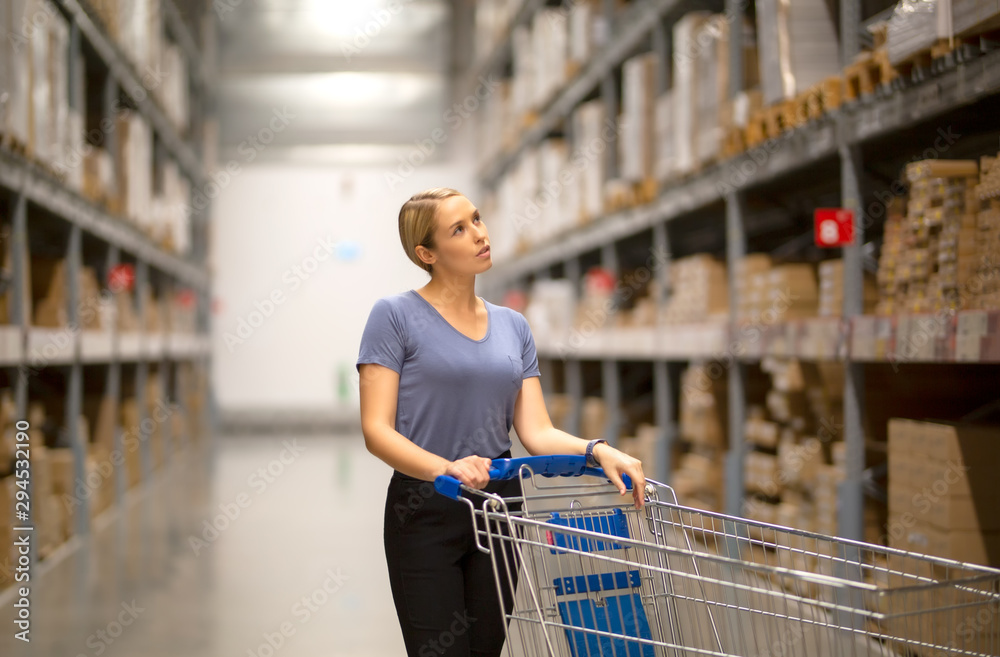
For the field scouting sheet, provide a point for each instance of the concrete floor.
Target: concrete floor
(299, 566)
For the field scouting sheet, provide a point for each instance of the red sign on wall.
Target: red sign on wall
(834, 227)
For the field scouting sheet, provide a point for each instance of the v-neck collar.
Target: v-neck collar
(489, 318)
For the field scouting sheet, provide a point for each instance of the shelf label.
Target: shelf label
(834, 227)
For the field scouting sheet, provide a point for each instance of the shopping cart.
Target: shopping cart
(594, 576)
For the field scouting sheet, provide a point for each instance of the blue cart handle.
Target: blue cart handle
(558, 465)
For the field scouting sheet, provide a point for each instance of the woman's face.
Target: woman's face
(462, 243)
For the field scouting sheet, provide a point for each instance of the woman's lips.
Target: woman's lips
(485, 253)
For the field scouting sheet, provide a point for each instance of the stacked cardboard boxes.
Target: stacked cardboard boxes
(700, 290)
(49, 289)
(942, 490)
(751, 286)
(831, 290)
(703, 426)
(929, 259)
(891, 256)
(983, 287)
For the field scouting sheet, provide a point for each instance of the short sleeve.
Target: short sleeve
(383, 340)
(529, 356)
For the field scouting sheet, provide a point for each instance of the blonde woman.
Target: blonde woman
(444, 376)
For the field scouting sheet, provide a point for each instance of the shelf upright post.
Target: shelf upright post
(574, 370)
(851, 497)
(110, 113)
(142, 372)
(611, 379)
(74, 391)
(665, 393)
(113, 386)
(736, 250)
(21, 297)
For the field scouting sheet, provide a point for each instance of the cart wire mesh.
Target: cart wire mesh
(596, 577)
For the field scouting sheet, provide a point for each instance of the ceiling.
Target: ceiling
(354, 81)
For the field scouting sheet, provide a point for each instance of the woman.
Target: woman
(444, 375)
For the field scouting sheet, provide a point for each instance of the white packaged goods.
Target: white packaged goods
(60, 141)
(798, 46)
(581, 32)
(169, 212)
(913, 28)
(17, 61)
(974, 16)
(550, 34)
(173, 90)
(135, 177)
(686, 86)
(524, 72)
(40, 139)
(636, 149)
(712, 71)
(551, 309)
(588, 129)
(665, 150)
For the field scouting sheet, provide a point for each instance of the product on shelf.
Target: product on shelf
(700, 290)
(559, 407)
(135, 170)
(98, 176)
(703, 405)
(595, 309)
(8, 553)
(635, 148)
(642, 446)
(831, 290)
(915, 26)
(593, 418)
(132, 446)
(15, 72)
(798, 45)
(942, 490)
(698, 478)
(937, 258)
(590, 140)
(984, 286)
(49, 286)
(970, 17)
(750, 280)
(685, 90)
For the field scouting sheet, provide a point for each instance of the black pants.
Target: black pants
(443, 587)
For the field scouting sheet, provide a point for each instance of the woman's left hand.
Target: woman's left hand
(615, 463)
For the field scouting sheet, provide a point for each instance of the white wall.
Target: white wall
(269, 219)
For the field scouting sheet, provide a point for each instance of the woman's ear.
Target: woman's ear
(425, 254)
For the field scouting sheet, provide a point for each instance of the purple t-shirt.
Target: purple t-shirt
(456, 394)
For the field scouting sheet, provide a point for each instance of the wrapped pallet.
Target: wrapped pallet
(798, 46)
(970, 17)
(914, 27)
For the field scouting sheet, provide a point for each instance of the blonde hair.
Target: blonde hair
(417, 221)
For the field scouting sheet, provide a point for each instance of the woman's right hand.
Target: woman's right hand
(473, 471)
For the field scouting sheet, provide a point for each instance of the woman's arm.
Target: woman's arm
(534, 428)
(379, 387)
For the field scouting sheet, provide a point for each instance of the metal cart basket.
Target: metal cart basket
(594, 576)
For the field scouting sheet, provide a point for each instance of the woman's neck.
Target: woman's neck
(452, 293)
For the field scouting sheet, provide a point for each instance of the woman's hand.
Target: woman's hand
(473, 471)
(615, 463)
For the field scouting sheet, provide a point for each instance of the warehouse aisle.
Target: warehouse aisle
(295, 563)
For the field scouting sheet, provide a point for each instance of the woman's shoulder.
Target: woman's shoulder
(394, 304)
(508, 314)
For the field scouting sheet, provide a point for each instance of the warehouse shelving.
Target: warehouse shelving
(837, 139)
(111, 363)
